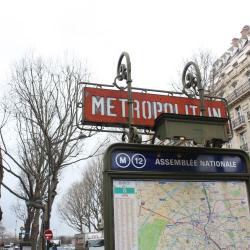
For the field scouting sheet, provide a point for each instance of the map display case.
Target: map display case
(162, 197)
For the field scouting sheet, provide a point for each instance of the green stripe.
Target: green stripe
(125, 190)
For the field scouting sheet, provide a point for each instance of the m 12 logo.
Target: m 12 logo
(124, 160)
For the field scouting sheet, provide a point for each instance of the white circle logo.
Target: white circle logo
(122, 160)
(139, 161)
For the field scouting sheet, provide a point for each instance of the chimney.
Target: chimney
(235, 42)
(245, 31)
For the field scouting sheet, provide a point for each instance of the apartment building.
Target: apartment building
(231, 80)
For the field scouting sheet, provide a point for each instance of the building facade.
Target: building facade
(231, 80)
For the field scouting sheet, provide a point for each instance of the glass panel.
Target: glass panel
(163, 214)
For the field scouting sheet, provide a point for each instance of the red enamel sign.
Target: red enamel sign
(110, 107)
(48, 234)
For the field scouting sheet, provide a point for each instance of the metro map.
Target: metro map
(162, 214)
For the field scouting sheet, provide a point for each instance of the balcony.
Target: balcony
(239, 93)
(244, 147)
(239, 122)
(238, 69)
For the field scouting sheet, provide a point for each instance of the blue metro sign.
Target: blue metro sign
(173, 161)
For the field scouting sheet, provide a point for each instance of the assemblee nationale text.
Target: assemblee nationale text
(194, 163)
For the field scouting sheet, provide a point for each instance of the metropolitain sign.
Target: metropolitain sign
(110, 107)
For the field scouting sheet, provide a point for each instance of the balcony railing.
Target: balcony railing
(244, 147)
(238, 122)
(239, 92)
(237, 70)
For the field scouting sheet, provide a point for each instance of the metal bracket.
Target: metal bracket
(134, 137)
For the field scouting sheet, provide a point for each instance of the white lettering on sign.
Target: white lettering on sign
(168, 108)
(123, 102)
(158, 109)
(146, 105)
(97, 105)
(102, 106)
(176, 162)
(224, 164)
(123, 160)
(110, 106)
(194, 163)
(191, 110)
(105, 106)
(214, 112)
(136, 109)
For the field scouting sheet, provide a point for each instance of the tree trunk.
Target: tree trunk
(28, 223)
(35, 231)
(41, 240)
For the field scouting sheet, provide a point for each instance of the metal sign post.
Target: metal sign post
(162, 196)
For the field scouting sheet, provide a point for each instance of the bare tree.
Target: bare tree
(73, 202)
(82, 206)
(44, 107)
(204, 58)
(20, 211)
(2, 124)
(93, 179)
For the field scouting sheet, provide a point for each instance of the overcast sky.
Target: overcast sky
(158, 35)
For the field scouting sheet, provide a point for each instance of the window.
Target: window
(238, 113)
(221, 94)
(235, 64)
(234, 84)
(248, 76)
(243, 141)
(243, 138)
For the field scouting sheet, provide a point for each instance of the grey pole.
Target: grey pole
(124, 73)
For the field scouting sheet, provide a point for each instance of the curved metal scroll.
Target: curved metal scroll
(192, 86)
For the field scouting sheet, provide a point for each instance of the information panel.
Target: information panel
(166, 197)
(164, 214)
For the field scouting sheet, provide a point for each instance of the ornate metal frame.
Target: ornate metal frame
(190, 81)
